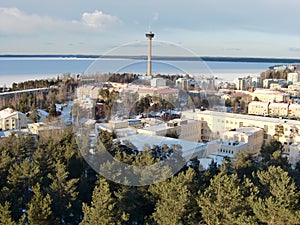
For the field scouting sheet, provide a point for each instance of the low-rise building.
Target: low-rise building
(189, 149)
(225, 147)
(251, 136)
(215, 123)
(258, 108)
(12, 120)
(278, 109)
(44, 129)
(293, 78)
(158, 82)
(265, 95)
(294, 110)
(189, 130)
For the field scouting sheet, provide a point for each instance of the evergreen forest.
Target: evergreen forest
(47, 181)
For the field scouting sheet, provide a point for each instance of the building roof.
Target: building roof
(247, 117)
(188, 147)
(268, 92)
(9, 112)
(259, 103)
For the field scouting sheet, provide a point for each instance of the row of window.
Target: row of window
(226, 151)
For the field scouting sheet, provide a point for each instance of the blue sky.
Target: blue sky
(257, 28)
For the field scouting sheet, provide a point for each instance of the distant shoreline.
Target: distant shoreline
(169, 58)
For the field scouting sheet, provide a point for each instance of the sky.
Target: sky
(242, 28)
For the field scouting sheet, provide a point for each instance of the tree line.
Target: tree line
(47, 181)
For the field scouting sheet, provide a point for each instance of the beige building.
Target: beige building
(258, 108)
(163, 92)
(294, 110)
(278, 109)
(251, 136)
(215, 123)
(189, 130)
(11, 119)
(274, 109)
(45, 129)
(265, 95)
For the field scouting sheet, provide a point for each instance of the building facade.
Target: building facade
(215, 123)
(12, 120)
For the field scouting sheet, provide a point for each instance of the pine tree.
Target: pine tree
(52, 110)
(5, 162)
(5, 215)
(22, 175)
(174, 200)
(134, 202)
(63, 192)
(225, 200)
(102, 208)
(39, 208)
(278, 201)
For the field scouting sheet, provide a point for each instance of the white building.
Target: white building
(294, 110)
(189, 149)
(217, 150)
(293, 78)
(189, 130)
(294, 154)
(251, 136)
(225, 147)
(213, 124)
(239, 83)
(183, 83)
(268, 82)
(158, 82)
(257, 82)
(11, 119)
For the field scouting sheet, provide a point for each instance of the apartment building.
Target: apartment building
(265, 95)
(11, 119)
(214, 123)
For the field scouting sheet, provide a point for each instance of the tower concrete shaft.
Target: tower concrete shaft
(149, 36)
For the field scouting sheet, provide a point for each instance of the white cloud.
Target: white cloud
(98, 19)
(16, 22)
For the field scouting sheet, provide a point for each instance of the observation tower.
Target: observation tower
(149, 36)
